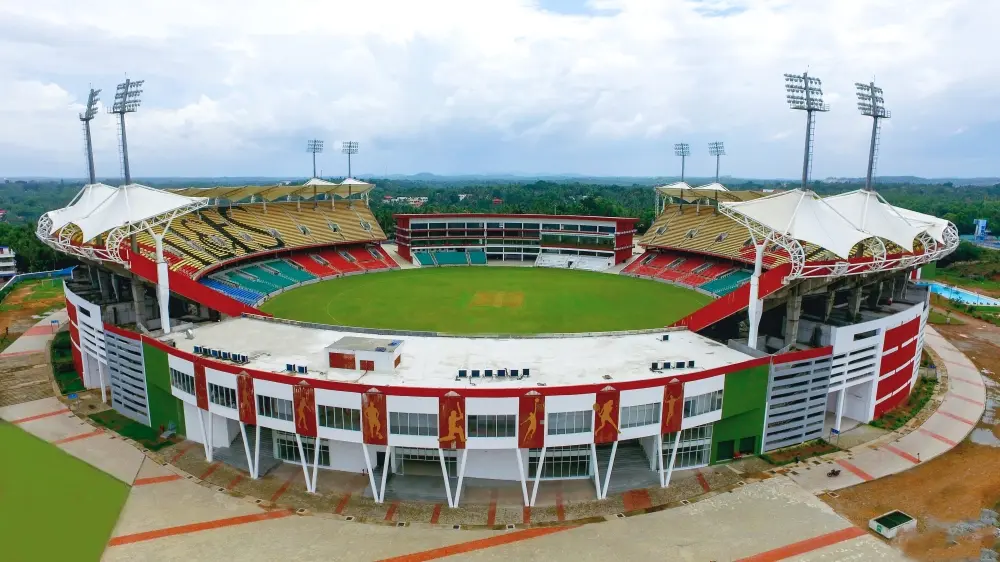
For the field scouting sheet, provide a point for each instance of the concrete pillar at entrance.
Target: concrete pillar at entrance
(875, 295)
(854, 302)
(104, 284)
(793, 311)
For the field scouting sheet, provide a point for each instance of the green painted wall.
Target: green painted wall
(164, 408)
(744, 400)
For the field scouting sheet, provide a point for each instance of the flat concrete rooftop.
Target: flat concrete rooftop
(432, 361)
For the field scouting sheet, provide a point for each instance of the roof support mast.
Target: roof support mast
(126, 101)
(86, 118)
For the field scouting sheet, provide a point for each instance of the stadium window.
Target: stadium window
(513, 225)
(277, 408)
(637, 416)
(694, 448)
(287, 449)
(404, 423)
(492, 426)
(531, 226)
(550, 226)
(181, 381)
(562, 423)
(703, 404)
(222, 395)
(340, 418)
(606, 229)
(588, 228)
(572, 461)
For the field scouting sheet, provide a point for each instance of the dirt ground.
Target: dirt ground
(949, 489)
(18, 309)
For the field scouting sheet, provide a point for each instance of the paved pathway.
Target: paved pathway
(963, 405)
(35, 339)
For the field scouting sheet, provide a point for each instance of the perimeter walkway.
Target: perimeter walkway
(36, 338)
(963, 404)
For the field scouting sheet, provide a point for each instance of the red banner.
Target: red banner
(673, 407)
(374, 427)
(606, 416)
(245, 398)
(531, 421)
(304, 402)
(200, 385)
(451, 421)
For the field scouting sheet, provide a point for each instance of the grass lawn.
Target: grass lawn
(148, 436)
(52, 505)
(804, 451)
(470, 300)
(896, 418)
(936, 317)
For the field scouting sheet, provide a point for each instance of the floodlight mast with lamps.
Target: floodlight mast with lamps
(314, 146)
(683, 150)
(872, 104)
(716, 149)
(86, 117)
(349, 148)
(126, 101)
(805, 93)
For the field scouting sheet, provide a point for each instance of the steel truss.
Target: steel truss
(62, 241)
(876, 261)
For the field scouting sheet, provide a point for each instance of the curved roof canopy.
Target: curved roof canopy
(869, 213)
(314, 186)
(130, 204)
(934, 226)
(803, 215)
(85, 201)
(716, 191)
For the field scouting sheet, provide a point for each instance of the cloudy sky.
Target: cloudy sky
(598, 87)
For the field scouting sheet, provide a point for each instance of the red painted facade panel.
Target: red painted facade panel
(374, 420)
(606, 413)
(673, 407)
(245, 398)
(200, 385)
(531, 421)
(304, 405)
(451, 421)
(342, 361)
(737, 301)
(191, 289)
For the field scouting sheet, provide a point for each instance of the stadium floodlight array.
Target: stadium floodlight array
(86, 117)
(716, 149)
(314, 146)
(805, 93)
(349, 148)
(126, 101)
(872, 104)
(683, 150)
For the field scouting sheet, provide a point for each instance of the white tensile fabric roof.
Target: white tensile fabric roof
(803, 215)
(128, 204)
(352, 181)
(85, 201)
(934, 226)
(318, 181)
(870, 214)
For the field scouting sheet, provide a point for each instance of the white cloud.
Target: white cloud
(235, 87)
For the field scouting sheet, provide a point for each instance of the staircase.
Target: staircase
(631, 470)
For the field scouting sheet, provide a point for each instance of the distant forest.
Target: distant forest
(24, 202)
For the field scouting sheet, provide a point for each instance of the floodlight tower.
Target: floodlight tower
(314, 146)
(126, 101)
(716, 149)
(683, 150)
(805, 93)
(871, 104)
(349, 148)
(86, 117)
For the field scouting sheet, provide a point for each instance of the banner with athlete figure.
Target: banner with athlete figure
(673, 407)
(245, 398)
(451, 421)
(200, 385)
(374, 427)
(606, 416)
(531, 421)
(304, 403)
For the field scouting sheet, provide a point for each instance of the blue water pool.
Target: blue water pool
(961, 295)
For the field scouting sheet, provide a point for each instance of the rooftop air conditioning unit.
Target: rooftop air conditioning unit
(303, 369)
(666, 337)
(463, 373)
(289, 367)
(197, 349)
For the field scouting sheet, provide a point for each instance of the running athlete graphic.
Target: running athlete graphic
(371, 417)
(456, 429)
(604, 416)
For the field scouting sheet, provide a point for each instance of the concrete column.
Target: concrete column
(793, 312)
(139, 300)
(875, 295)
(899, 286)
(830, 299)
(854, 302)
(104, 284)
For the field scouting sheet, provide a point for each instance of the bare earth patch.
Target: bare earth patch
(948, 493)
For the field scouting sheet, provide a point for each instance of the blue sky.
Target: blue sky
(599, 87)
